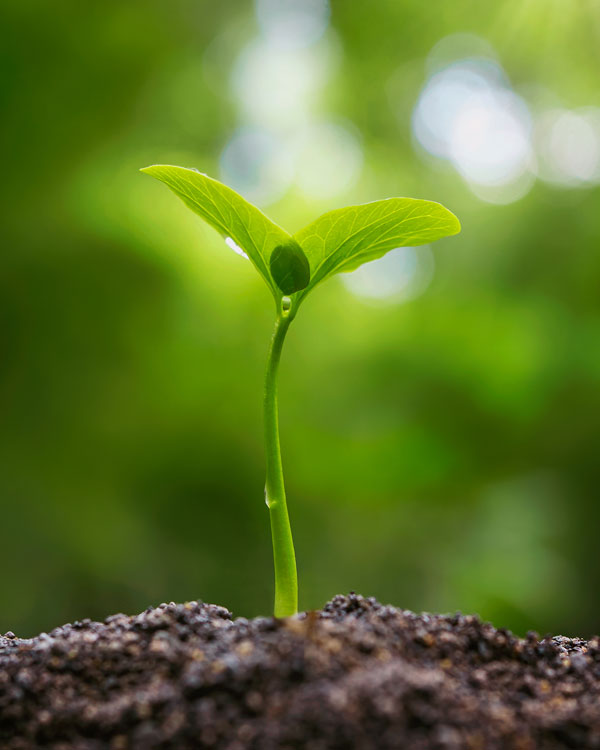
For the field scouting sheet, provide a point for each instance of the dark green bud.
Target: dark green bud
(289, 267)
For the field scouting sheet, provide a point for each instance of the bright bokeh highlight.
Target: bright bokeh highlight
(468, 115)
(568, 144)
(401, 275)
(256, 164)
(292, 24)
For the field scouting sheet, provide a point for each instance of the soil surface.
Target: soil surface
(354, 675)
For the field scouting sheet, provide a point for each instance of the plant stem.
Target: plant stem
(286, 578)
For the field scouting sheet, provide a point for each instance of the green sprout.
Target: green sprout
(292, 266)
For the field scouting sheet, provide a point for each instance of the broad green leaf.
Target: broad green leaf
(244, 227)
(289, 267)
(344, 239)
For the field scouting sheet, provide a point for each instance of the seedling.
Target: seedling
(292, 266)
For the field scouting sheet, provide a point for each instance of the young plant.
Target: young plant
(292, 266)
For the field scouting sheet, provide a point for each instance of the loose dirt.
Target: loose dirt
(355, 674)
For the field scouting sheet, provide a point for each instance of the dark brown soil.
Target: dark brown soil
(353, 675)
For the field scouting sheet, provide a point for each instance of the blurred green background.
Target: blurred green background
(440, 410)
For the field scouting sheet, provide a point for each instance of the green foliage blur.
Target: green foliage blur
(440, 448)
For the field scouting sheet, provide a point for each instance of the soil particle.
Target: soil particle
(356, 674)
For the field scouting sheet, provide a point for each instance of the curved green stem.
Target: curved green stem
(286, 578)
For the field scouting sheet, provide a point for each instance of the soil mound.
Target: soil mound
(355, 674)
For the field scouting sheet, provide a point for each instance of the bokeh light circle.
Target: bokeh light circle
(568, 143)
(468, 115)
(256, 164)
(292, 24)
(400, 275)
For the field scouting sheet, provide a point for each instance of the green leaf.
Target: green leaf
(243, 226)
(344, 239)
(289, 267)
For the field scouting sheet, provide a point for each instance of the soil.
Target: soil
(355, 674)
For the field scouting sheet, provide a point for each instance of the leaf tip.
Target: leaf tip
(149, 170)
(456, 223)
(453, 222)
